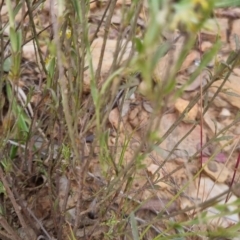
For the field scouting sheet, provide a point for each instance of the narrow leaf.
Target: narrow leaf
(133, 223)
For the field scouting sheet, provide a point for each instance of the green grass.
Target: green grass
(114, 199)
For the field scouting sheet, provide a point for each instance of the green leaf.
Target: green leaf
(139, 45)
(233, 94)
(133, 223)
(16, 40)
(169, 87)
(160, 52)
(2, 190)
(7, 64)
(18, 112)
(13, 39)
(50, 66)
(76, 5)
(10, 13)
(227, 3)
(17, 8)
(215, 125)
(13, 151)
(109, 80)
(224, 138)
(205, 60)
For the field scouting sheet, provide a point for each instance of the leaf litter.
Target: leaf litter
(154, 185)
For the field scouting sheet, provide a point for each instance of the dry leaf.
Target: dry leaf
(207, 190)
(114, 118)
(191, 57)
(232, 86)
(205, 46)
(217, 171)
(107, 60)
(167, 62)
(235, 33)
(181, 105)
(187, 147)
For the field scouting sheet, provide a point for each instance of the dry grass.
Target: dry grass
(62, 174)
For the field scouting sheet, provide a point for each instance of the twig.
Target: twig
(63, 209)
(35, 35)
(14, 203)
(107, 26)
(39, 223)
(100, 23)
(233, 177)
(8, 228)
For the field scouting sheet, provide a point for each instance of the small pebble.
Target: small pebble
(225, 113)
(212, 166)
